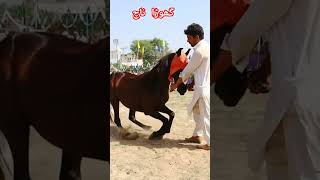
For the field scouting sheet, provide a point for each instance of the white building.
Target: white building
(127, 59)
(118, 54)
(130, 60)
(115, 55)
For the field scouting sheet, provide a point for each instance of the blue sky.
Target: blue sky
(125, 29)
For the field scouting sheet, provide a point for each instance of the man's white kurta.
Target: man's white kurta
(293, 29)
(199, 66)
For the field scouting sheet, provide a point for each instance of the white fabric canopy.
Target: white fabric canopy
(11, 24)
(76, 7)
(11, 2)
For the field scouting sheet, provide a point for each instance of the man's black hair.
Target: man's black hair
(193, 30)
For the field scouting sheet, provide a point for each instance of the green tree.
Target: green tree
(153, 49)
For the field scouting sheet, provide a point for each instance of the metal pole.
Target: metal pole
(36, 13)
(23, 14)
(87, 25)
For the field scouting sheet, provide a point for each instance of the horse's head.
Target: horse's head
(172, 64)
(232, 85)
(182, 89)
(178, 63)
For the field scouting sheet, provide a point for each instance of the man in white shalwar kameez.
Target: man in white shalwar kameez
(289, 137)
(199, 66)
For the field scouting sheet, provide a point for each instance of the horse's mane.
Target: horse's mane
(62, 37)
(70, 41)
(54, 36)
(166, 57)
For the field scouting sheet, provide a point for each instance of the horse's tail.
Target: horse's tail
(111, 114)
(111, 75)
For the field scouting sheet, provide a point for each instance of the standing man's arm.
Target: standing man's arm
(260, 16)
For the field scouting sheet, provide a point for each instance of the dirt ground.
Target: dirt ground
(230, 129)
(45, 160)
(169, 158)
(172, 159)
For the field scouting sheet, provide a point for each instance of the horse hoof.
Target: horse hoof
(155, 136)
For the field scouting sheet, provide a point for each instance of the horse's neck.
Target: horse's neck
(155, 76)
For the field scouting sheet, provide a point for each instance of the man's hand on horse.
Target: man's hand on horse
(172, 87)
(175, 85)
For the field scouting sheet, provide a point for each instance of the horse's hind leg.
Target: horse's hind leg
(115, 105)
(132, 117)
(18, 138)
(1, 174)
(70, 166)
(171, 114)
(159, 134)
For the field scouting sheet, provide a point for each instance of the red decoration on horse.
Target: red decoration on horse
(227, 12)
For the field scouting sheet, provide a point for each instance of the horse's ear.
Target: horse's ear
(179, 51)
(188, 52)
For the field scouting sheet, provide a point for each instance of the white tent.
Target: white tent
(11, 2)
(79, 7)
(10, 23)
(75, 6)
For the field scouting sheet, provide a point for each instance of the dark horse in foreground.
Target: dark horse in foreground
(57, 85)
(148, 92)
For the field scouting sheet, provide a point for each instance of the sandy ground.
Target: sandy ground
(231, 127)
(164, 159)
(168, 158)
(45, 162)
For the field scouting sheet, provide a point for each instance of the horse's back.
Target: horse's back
(126, 87)
(61, 93)
(123, 81)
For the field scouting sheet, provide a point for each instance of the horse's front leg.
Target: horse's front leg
(159, 134)
(70, 166)
(171, 114)
(132, 117)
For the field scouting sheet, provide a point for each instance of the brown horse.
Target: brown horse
(57, 85)
(147, 92)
